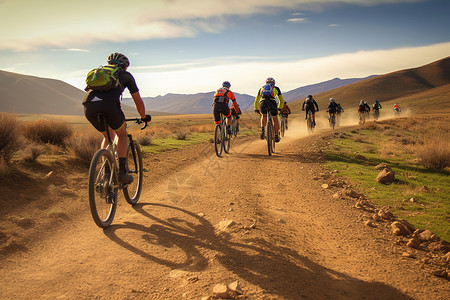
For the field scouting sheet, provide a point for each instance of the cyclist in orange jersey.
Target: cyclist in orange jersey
(220, 104)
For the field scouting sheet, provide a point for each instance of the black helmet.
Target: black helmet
(119, 59)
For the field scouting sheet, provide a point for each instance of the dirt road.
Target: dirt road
(284, 237)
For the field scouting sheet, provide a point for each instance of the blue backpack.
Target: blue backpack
(267, 91)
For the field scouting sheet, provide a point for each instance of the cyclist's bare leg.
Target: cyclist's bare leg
(229, 121)
(314, 117)
(263, 120)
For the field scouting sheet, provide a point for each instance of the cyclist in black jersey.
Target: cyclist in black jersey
(108, 103)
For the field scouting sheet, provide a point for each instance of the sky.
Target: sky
(187, 47)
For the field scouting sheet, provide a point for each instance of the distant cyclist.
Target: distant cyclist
(362, 108)
(308, 105)
(397, 109)
(220, 104)
(236, 111)
(265, 101)
(285, 112)
(108, 103)
(376, 106)
(367, 107)
(332, 108)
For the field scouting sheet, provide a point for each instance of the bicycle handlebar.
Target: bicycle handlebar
(137, 121)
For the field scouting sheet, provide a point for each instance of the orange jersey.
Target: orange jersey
(223, 95)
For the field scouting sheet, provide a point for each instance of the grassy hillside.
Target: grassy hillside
(432, 79)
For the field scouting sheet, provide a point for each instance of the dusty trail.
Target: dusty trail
(290, 238)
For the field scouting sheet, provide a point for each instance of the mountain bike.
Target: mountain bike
(310, 122)
(233, 126)
(222, 139)
(376, 114)
(270, 135)
(283, 125)
(104, 185)
(332, 120)
(362, 118)
(396, 112)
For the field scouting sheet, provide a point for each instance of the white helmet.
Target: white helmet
(331, 100)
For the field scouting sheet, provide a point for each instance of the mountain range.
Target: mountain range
(24, 94)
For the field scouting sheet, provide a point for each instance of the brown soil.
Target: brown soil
(290, 238)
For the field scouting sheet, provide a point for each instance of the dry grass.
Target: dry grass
(435, 152)
(9, 136)
(83, 145)
(33, 152)
(47, 131)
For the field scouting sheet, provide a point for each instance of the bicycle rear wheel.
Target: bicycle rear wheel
(332, 121)
(270, 138)
(132, 191)
(282, 126)
(310, 124)
(102, 194)
(218, 140)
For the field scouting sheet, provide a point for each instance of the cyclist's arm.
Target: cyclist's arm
(317, 107)
(140, 107)
(280, 98)
(257, 98)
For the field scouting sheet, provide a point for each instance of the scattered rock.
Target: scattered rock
(281, 221)
(360, 157)
(408, 255)
(441, 273)
(413, 243)
(402, 228)
(382, 166)
(369, 223)
(325, 186)
(427, 236)
(221, 290)
(336, 196)
(385, 214)
(412, 200)
(49, 175)
(224, 225)
(352, 193)
(235, 287)
(447, 257)
(201, 215)
(386, 176)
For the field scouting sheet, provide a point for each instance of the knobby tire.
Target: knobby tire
(102, 194)
(132, 191)
(218, 142)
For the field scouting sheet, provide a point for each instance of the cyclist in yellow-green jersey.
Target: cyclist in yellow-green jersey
(265, 101)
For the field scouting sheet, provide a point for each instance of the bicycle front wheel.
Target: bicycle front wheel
(132, 191)
(218, 140)
(102, 194)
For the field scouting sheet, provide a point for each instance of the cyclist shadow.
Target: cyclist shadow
(273, 268)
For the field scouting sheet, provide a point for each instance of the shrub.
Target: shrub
(144, 140)
(181, 135)
(83, 146)
(47, 131)
(33, 153)
(435, 153)
(9, 136)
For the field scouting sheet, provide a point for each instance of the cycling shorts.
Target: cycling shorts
(218, 108)
(112, 111)
(269, 106)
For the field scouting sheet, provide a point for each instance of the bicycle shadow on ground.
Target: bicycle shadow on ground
(276, 270)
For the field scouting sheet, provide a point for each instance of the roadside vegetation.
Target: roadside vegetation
(418, 151)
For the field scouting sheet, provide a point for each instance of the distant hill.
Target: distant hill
(34, 95)
(200, 103)
(388, 87)
(313, 89)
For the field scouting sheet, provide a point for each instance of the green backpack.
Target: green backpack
(103, 78)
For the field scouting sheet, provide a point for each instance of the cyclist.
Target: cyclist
(267, 103)
(397, 108)
(376, 106)
(367, 108)
(308, 105)
(220, 104)
(236, 111)
(285, 112)
(332, 108)
(108, 103)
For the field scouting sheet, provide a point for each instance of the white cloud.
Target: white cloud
(248, 77)
(72, 24)
(334, 25)
(297, 20)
